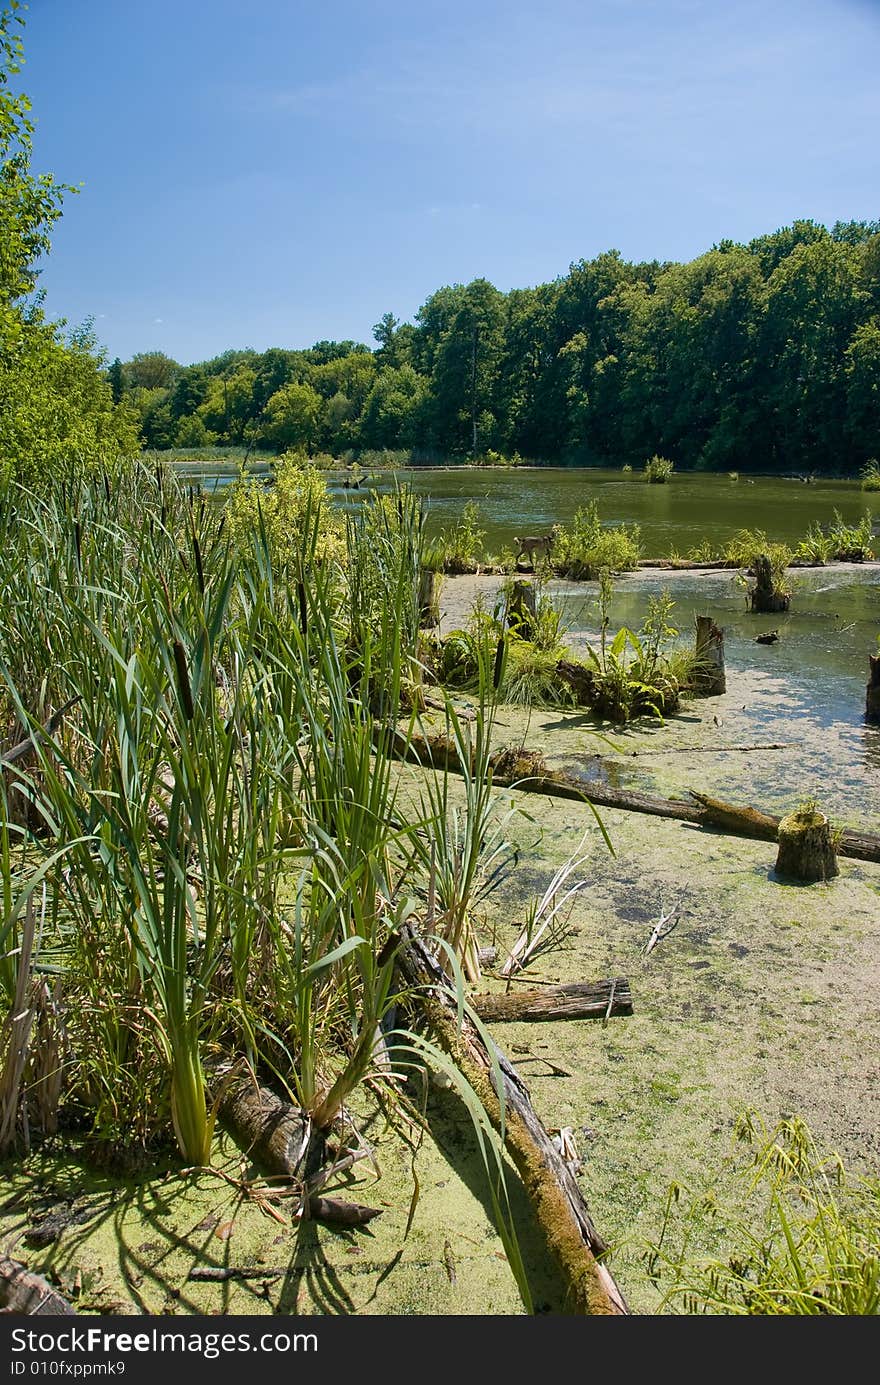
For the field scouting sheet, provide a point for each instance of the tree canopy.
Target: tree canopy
(763, 356)
(56, 403)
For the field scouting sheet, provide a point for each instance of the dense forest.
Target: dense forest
(762, 357)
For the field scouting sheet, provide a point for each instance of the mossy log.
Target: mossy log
(580, 1000)
(549, 1184)
(806, 850)
(22, 1291)
(872, 692)
(764, 596)
(709, 679)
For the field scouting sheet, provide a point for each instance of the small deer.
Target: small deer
(541, 543)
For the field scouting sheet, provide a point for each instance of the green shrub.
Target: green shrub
(461, 546)
(851, 543)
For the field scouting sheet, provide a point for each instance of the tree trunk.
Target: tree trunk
(703, 812)
(580, 1000)
(709, 678)
(580, 678)
(22, 1291)
(872, 692)
(806, 851)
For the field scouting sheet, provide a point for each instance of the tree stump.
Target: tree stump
(429, 598)
(522, 609)
(806, 851)
(709, 677)
(764, 596)
(872, 692)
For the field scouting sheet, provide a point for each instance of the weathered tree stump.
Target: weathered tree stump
(429, 598)
(580, 678)
(764, 596)
(522, 609)
(710, 679)
(872, 692)
(806, 851)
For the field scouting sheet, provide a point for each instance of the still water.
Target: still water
(692, 507)
(806, 691)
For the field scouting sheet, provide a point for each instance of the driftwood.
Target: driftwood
(581, 1000)
(22, 1291)
(39, 734)
(702, 812)
(558, 1202)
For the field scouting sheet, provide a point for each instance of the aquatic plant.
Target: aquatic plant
(815, 1249)
(584, 548)
(870, 475)
(658, 470)
(460, 546)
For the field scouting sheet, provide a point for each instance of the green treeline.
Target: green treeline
(763, 356)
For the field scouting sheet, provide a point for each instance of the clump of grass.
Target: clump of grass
(586, 547)
(460, 548)
(658, 470)
(851, 542)
(815, 548)
(870, 475)
(808, 1242)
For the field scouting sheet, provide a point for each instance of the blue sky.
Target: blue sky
(273, 172)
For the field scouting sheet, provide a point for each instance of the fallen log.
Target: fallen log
(749, 822)
(22, 1291)
(703, 811)
(273, 1132)
(580, 1000)
(550, 1186)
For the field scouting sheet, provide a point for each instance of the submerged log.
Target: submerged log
(22, 1291)
(710, 679)
(551, 1187)
(580, 1000)
(806, 850)
(872, 692)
